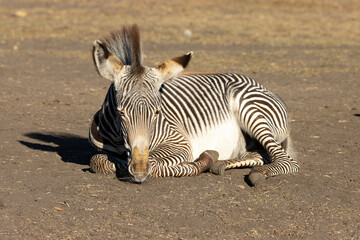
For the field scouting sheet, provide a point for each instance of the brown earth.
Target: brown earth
(307, 51)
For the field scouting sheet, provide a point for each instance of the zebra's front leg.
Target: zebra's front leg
(205, 161)
(100, 163)
(106, 164)
(249, 159)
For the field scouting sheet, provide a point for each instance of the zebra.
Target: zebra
(158, 122)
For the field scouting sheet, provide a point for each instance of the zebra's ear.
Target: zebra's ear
(173, 67)
(107, 64)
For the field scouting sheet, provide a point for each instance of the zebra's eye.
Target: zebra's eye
(157, 112)
(122, 113)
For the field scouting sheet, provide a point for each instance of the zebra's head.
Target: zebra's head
(138, 103)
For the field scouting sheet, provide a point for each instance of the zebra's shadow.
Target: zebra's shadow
(70, 147)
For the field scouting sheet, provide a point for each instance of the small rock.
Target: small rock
(20, 13)
(187, 33)
(58, 209)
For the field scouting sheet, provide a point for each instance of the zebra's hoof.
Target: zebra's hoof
(100, 163)
(257, 175)
(207, 159)
(214, 154)
(218, 168)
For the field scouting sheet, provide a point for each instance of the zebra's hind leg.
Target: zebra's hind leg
(281, 161)
(249, 159)
(100, 163)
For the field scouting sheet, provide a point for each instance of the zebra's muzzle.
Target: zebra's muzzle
(139, 166)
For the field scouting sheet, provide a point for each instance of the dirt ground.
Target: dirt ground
(306, 51)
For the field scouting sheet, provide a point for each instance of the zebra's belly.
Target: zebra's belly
(226, 138)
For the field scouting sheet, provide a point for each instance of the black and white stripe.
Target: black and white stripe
(192, 103)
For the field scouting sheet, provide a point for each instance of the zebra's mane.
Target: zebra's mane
(125, 45)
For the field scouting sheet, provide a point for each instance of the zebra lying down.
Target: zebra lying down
(160, 123)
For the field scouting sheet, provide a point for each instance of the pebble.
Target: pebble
(187, 33)
(20, 13)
